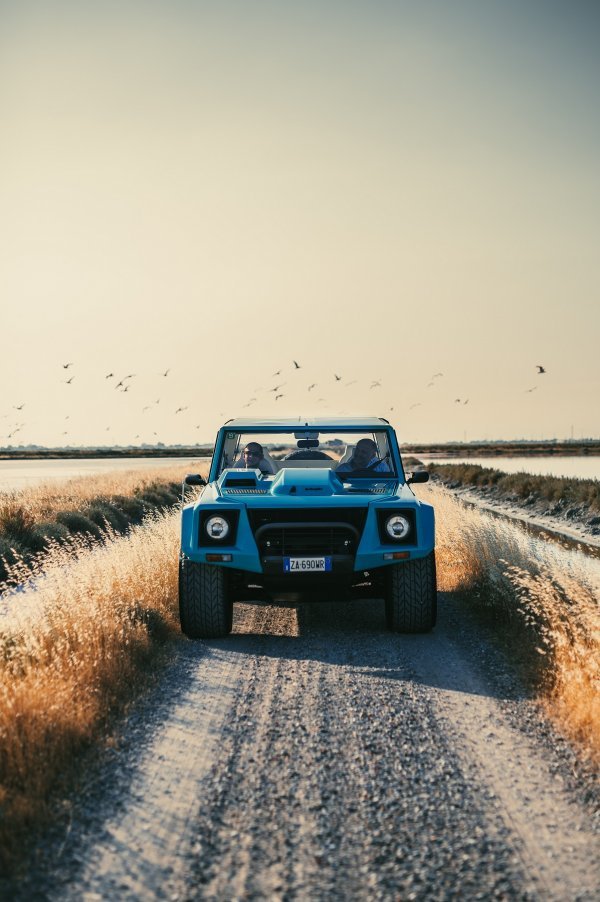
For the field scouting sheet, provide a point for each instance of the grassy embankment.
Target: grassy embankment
(35, 520)
(79, 643)
(524, 487)
(539, 599)
(84, 633)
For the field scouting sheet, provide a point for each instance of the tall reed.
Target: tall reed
(75, 644)
(542, 596)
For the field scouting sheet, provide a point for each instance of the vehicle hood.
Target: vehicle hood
(291, 486)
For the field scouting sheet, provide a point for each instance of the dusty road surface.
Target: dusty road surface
(313, 755)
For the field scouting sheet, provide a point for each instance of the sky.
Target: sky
(402, 195)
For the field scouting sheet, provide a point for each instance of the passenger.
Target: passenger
(365, 457)
(253, 458)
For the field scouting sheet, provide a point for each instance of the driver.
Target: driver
(253, 458)
(365, 457)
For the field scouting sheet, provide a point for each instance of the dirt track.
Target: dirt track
(313, 755)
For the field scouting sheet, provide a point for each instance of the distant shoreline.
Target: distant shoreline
(504, 449)
(437, 449)
(100, 453)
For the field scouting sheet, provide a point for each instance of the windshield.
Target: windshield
(352, 454)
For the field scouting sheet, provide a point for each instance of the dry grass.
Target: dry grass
(541, 598)
(71, 494)
(32, 519)
(43, 500)
(75, 645)
(567, 492)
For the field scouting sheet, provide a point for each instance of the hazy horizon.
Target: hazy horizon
(393, 193)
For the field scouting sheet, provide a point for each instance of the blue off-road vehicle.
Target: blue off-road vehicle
(320, 507)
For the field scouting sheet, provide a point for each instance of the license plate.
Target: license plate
(306, 564)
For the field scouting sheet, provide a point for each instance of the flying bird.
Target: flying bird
(109, 375)
(278, 373)
(66, 366)
(147, 407)
(457, 401)
(437, 375)
(352, 382)
(166, 372)
(68, 381)
(277, 387)
(375, 384)
(118, 385)
(531, 389)
(429, 384)
(310, 387)
(418, 404)
(338, 379)
(277, 397)
(540, 369)
(296, 364)
(20, 407)
(180, 409)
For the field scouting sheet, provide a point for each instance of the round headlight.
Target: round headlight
(397, 527)
(217, 527)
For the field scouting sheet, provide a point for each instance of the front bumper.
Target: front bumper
(366, 552)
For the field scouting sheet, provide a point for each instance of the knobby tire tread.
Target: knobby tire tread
(411, 599)
(204, 603)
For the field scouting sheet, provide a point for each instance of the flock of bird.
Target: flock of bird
(123, 385)
(260, 393)
(376, 383)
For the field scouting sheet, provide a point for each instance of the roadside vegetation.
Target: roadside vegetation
(538, 598)
(522, 486)
(33, 521)
(80, 639)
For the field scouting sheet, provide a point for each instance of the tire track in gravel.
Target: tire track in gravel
(552, 837)
(143, 848)
(352, 771)
(313, 754)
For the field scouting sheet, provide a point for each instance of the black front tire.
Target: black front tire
(205, 603)
(411, 596)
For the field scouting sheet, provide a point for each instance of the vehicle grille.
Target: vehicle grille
(307, 531)
(304, 540)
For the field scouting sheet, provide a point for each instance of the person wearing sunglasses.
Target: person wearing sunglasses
(253, 459)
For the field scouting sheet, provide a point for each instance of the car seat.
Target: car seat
(346, 455)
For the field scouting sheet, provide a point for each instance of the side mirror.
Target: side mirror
(194, 479)
(418, 476)
(191, 479)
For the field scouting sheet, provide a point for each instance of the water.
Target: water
(22, 474)
(576, 467)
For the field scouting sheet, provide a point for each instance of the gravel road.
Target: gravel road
(313, 755)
